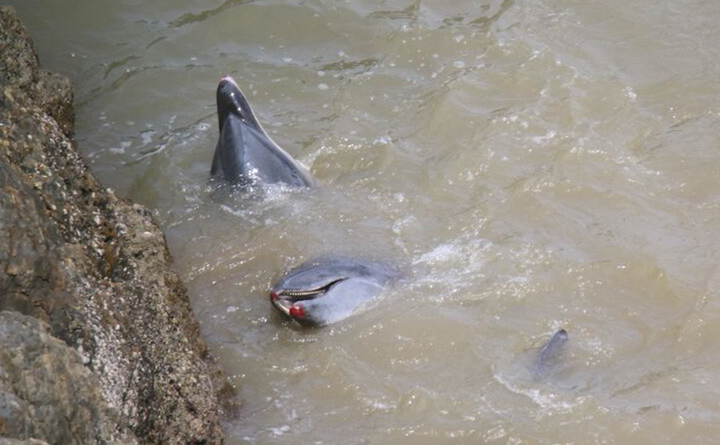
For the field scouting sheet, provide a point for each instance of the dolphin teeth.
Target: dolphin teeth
(306, 294)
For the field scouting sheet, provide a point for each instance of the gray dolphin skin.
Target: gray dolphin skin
(321, 292)
(548, 352)
(245, 154)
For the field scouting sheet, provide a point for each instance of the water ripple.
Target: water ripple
(191, 17)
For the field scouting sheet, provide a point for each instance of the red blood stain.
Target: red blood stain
(297, 311)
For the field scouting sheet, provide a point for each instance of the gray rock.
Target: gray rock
(95, 268)
(9, 441)
(45, 391)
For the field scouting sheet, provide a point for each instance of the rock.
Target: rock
(8, 441)
(45, 391)
(94, 267)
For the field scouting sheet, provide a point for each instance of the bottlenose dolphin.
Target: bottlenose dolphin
(549, 352)
(324, 291)
(245, 153)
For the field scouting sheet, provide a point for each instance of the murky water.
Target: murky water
(529, 165)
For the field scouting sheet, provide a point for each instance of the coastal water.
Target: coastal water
(527, 165)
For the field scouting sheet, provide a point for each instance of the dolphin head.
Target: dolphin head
(232, 101)
(322, 292)
(245, 153)
(305, 305)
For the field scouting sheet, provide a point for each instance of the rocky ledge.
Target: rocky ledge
(98, 343)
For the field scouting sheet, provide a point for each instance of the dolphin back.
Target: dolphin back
(324, 270)
(549, 352)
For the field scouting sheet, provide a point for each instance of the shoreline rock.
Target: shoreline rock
(95, 271)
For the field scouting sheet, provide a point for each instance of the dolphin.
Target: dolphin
(325, 291)
(245, 153)
(550, 351)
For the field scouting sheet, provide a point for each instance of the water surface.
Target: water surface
(529, 165)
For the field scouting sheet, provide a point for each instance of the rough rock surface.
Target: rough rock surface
(96, 271)
(45, 389)
(8, 441)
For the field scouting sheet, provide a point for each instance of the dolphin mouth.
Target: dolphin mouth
(284, 299)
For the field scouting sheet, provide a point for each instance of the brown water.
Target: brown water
(529, 165)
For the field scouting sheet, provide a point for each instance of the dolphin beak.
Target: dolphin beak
(228, 78)
(281, 304)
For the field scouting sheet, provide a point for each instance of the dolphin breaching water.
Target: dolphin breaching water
(321, 292)
(245, 153)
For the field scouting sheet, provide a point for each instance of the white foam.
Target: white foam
(382, 140)
(124, 145)
(279, 431)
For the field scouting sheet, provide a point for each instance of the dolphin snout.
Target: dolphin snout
(229, 78)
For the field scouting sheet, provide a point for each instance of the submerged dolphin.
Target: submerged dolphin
(549, 352)
(245, 153)
(324, 291)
